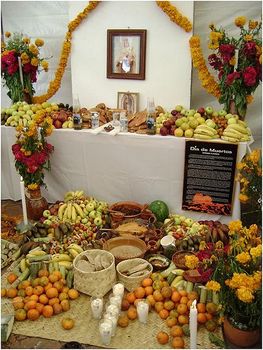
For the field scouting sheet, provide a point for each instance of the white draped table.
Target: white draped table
(126, 166)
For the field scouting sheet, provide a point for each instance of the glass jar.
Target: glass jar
(95, 120)
(116, 118)
(150, 120)
(123, 122)
(77, 119)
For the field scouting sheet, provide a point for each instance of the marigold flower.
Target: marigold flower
(33, 49)
(235, 225)
(245, 295)
(256, 252)
(34, 62)
(191, 261)
(39, 42)
(44, 65)
(232, 61)
(252, 24)
(240, 21)
(213, 285)
(243, 198)
(254, 156)
(33, 186)
(243, 258)
(7, 34)
(249, 99)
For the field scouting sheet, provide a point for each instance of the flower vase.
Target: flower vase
(234, 110)
(238, 337)
(35, 204)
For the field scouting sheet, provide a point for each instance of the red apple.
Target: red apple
(57, 124)
(201, 110)
(174, 112)
(172, 121)
(62, 116)
(167, 124)
(164, 131)
(173, 127)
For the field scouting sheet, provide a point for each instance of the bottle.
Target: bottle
(77, 119)
(150, 120)
(95, 120)
(123, 122)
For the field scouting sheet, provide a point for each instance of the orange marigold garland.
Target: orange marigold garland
(207, 80)
(54, 85)
(175, 15)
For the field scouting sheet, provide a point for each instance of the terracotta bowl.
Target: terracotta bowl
(179, 259)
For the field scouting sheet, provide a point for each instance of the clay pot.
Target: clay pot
(35, 204)
(238, 337)
(153, 246)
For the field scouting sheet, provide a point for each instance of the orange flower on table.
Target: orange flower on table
(26, 40)
(240, 21)
(249, 99)
(33, 49)
(7, 34)
(34, 61)
(245, 295)
(191, 261)
(44, 65)
(213, 285)
(235, 225)
(243, 258)
(33, 186)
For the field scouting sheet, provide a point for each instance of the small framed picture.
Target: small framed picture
(128, 101)
(126, 52)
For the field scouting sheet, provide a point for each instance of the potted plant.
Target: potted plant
(238, 275)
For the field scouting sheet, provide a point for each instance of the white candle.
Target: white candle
(118, 289)
(236, 59)
(113, 310)
(143, 310)
(105, 330)
(193, 325)
(116, 300)
(114, 320)
(96, 307)
(20, 72)
(22, 190)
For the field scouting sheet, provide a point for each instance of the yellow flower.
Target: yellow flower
(257, 278)
(256, 252)
(219, 245)
(7, 34)
(243, 198)
(213, 285)
(39, 42)
(34, 61)
(33, 186)
(24, 56)
(44, 65)
(249, 99)
(252, 24)
(26, 40)
(243, 258)
(254, 156)
(232, 61)
(248, 37)
(33, 49)
(235, 225)
(240, 21)
(191, 261)
(245, 295)
(202, 245)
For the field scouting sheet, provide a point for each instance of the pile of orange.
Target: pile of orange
(46, 295)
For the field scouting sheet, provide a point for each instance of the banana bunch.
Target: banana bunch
(70, 211)
(205, 132)
(238, 132)
(73, 195)
(74, 250)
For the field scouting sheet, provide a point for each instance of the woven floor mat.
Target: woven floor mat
(85, 331)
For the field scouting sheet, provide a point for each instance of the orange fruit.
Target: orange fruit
(47, 311)
(132, 313)
(174, 313)
(171, 321)
(211, 308)
(65, 305)
(43, 281)
(21, 293)
(39, 307)
(67, 323)
(209, 316)
(11, 292)
(52, 293)
(53, 301)
(29, 291)
(183, 293)
(3, 292)
(182, 309)
(139, 292)
(25, 284)
(184, 300)
(43, 299)
(43, 273)
(59, 285)
(147, 282)
(73, 294)
(176, 296)
(57, 308)
(193, 295)
(62, 296)
(162, 338)
(30, 305)
(158, 306)
(125, 305)
(18, 303)
(177, 331)
(35, 282)
(165, 284)
(151, 300)
(201, 307)
(123, 321)
(169, 305)
(65, 290)
(58, 274)
(38, 290)
(33, 297)
(20, 315)
(183, 319)
(131, 297)
(49, 285)
(166, 292)
(211, 325)
(53, 278)
(164, 314)
(63, 281)
(178, 343)
(33, 314)
(11, 277)
(148, 290)
(157, 295)
(201, 318)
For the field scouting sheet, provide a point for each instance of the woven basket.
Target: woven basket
(96, 283)
(130, 283)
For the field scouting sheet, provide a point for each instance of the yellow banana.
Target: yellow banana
(239, 128)
(61, 257)
(67, 264)
(74, 214)
(73, 253)
(202, 137)
(229, 139)
(61, 211)
(69, 212)
(232, 134)
(178, 272)
(242, 123)
(75, 247)
(205, 129)
(23, 265)
(65, 215)
(36, 253)
(245, 138)
(79, 210)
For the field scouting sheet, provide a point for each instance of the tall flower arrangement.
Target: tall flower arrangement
(238, 63)
(19, 50)
(32, 151)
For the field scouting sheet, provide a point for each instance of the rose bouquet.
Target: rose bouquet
(32, 151)
(20, 64)
(238, 63)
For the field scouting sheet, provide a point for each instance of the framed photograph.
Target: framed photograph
(128, 101)
(126, 50)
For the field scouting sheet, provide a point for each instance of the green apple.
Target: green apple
(228, 116)
(197, 115)
(84, 221)
(46, 213)
(34, 108)
(192, 112)
(210, 123)
(26, 108)
(191, 118)
(178, 108)
(182, 218)
(200, 120)
(177, 221)
(179, 122)
(222, 113)
(90, 207)
(30, 112)
(178, 132)
(185, 126)
(47, 222)
(92, 214)
(236, 116)
(189, 222)
(14, 113)
(183, 112)
(214, 114)
(98, 221)
(232, 121)
(209, 110)
(193, 123)
(48, 109)
(54, 107)
(70, 124)
(45, 105)
(38, 105)
(189, 133)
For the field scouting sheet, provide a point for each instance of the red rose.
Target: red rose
(232, 77)
(250, 76)
(226, 51)
(12, 68)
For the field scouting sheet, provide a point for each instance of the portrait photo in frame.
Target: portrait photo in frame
(126, 53)
(128, 101)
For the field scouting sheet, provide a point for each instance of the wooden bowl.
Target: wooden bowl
(125, 247)
(179, 259)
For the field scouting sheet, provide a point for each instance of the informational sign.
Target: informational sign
(209, 175)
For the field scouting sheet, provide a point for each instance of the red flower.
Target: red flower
(250, 49)
(41, 158)
(215, 62)
(226, 51)
(9, 59)
(19, 156)
(250, 76)
(33, 74)
(15, 148)
(27, 68)
(231, 77)
(49, 147)
(12, 68)
(32, 169)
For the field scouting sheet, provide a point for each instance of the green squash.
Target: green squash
(160, 210)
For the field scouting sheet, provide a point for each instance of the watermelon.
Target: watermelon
(160, 210)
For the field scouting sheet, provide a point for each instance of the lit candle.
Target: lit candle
(20, 71)
(236, 59)
(193, 325)
(22, 190)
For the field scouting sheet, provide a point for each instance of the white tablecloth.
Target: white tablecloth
(133, 167)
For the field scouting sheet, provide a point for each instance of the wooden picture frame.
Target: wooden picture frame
(126, 52)
(128, 101)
